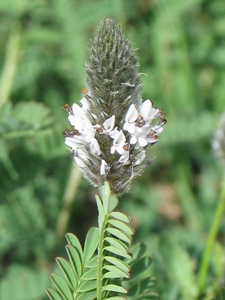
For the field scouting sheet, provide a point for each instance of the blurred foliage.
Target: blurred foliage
(43, 48)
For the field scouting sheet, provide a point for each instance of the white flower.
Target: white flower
(130, 118)
(138, 124)
(109, 124)
(85, 104)
(140, 157)
(80, 157)
(118, 143)
(94, 147)
(104, 167)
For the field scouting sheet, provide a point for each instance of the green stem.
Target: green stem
(68, 198)
(100, 261)
(211, 238)
(9, 66)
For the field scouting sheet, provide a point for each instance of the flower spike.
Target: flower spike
(113, 126)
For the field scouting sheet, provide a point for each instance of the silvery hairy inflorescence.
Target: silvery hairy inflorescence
(113, 126)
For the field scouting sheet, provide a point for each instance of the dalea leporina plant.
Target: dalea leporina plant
(113, 127)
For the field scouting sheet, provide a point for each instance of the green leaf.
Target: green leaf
(61, 287)
(105, 197)
(115, 298)
(140, 266)
(34, 113)
(142, 286)
(120, 235)
(114, 272)
(73, 240)
(92, 263)
(118, 263)
(87, 286)
(101, 215)
(117, 244)
(114, 288)
(122, 226)
(89, 274)
(120, 216)
(53, 294)
(68, 272)
(74, 259)
(91, 244)
(174, 257)
(137, 251)
(113, 202)
(90, 295)
(118, 252)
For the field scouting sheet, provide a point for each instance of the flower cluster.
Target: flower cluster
(109, 134)
(127, 144)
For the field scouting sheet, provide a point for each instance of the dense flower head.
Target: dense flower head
(113, 127)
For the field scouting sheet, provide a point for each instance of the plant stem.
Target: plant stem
(9, 66)
(99, 271)
(211, 238)
(70, 192)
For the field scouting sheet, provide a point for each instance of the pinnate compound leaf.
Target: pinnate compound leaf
(115, 288)
(74, 259)
(91, 244)
(73, 240)
(40, 114)
(61, 286)
(53, 294)
(68, 272)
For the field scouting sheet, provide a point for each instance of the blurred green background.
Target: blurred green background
(43, 48)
